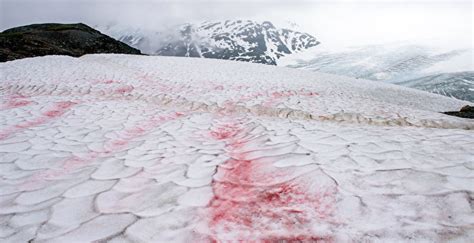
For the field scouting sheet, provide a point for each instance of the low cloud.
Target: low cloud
(345, 21)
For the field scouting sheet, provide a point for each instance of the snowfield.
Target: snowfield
(123, 148)
(435, 67)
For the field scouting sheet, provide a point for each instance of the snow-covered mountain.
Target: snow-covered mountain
(127, 148)
(427, 66)
(241, 40)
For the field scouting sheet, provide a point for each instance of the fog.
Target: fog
(332, 22)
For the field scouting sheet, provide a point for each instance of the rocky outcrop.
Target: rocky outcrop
(465, 112)
(57, 39)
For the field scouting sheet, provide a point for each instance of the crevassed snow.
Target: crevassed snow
(401, 63)
(161, 149)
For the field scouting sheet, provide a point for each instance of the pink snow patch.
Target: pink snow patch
(105, 81)
(118, 143)
(225, 132)
(15, 101)
(257, 202)
(57, 110)
(137, 131)
(111, 146)
(39, 179)
(109, 81)
(124, 89)
(307, 93)
(281, 94)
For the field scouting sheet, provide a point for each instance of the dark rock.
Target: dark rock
(465, 112)
(57, 39)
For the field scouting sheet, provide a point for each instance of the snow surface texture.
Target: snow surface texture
(162, 149)
(445, 71)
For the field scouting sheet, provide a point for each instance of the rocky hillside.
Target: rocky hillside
(241, 40)
(57, 39)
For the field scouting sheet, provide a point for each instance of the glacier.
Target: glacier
(443, 69)
(123, 148)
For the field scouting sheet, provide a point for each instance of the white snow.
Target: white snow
(128, 148)
(392, 62)
(459, 63)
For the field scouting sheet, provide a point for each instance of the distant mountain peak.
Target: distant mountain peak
(241, 40)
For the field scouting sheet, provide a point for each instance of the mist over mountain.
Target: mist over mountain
(240, 40)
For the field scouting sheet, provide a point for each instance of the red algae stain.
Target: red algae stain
(109, 81)
(119, 142)
(125, 136)
(225, 132)
(38, 179)
(105, 81)
(15, 101)
(4, 134)
(113, 145)
(124, 89)
(252, 203)
(55, 111)
(282, 94)
(58, 109)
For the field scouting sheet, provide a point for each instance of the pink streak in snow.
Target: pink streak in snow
(124, 89)
(111, 146)
(255, 201)
(55, 111)
(15, 101)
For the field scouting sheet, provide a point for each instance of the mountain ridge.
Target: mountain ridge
(57, 39)
(240, 40)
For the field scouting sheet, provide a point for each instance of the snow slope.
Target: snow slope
(125, 148)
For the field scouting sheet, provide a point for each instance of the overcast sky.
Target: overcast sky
(342, 22)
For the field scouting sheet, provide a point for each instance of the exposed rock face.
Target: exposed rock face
(241, 40)
(57, 39)
(465, 112)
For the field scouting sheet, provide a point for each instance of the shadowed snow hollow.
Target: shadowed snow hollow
(165, 149)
